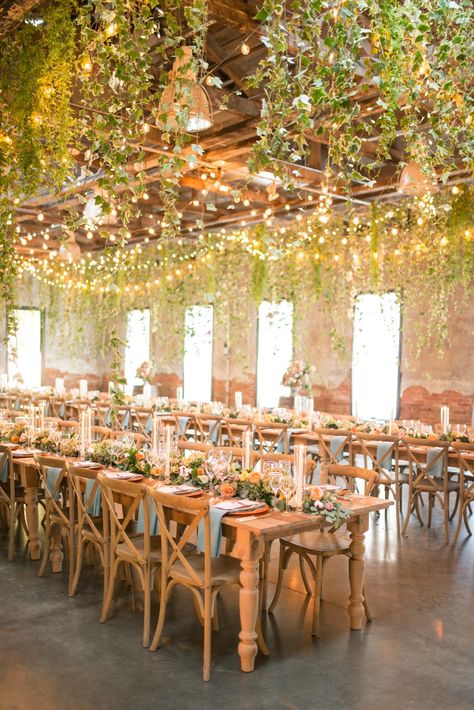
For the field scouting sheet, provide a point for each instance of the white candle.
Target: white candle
(179, 394)
(310, 406)
(146, 395)
(156, 435)
(247, 449)
(110, 387)
(83, 389)
(42, 410)
(238, 401)
(59, 386)
(3, 381)
(300, 466)
(32, 416)
(447, 419)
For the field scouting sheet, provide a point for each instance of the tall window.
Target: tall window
(28, 362)
(137, 349)
(197, 364)
(275, 349)
(375, 356)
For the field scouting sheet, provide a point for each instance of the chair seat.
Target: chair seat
(317, 542)
(225, 570)
(424, 486)
(123, 550)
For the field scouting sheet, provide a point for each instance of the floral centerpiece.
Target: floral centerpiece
(298, 376)
(319, 501)
(145, 372)
(191, 469)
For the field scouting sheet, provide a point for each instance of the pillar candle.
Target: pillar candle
(300, 466)
(156, 435)
(247, 449)
(3, 381)
(83, 389)
(238, 401)
(42, 410)
(146, 395)
(32, 418)
(59, 386)
(179, 394)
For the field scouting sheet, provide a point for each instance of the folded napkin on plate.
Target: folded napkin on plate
(121, 475)
(177, 490)
(86, 464)
(242, 504)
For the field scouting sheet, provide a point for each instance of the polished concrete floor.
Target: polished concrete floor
(417, 653)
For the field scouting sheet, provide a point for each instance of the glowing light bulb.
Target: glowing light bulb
(245, 49)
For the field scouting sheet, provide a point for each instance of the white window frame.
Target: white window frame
(269, 387)
(32, 377)
(198, 353)
(133, 359)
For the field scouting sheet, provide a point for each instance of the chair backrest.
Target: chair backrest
(118, 530)
(196, 511)
(464, 454)
(54, 484)
(234, 429)
(416, 452)
(382, 458)
(98, 432)
(84, 496)
(194, 446)
(351, 474)
(58, 407)
(333, 443)
(141, 421)
(271, 435)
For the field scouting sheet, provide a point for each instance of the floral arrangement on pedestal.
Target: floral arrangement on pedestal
(319, 501)
(145, 372)
(298, 377)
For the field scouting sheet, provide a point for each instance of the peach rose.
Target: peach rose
(140, 456)
(316, 493)
(227, 490)
(254, 478)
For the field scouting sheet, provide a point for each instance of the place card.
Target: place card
(177, 490)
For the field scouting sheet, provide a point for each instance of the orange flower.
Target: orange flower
(254, 478)
(200, 471)
(15, 439)
(316, 493)
(140, 456)
(227, 490)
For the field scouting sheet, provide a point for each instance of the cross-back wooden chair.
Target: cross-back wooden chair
(124, 546)
(207, 428)
(12, 497)
(59, 513)
(142, 421)
(98, 432)
(89, 527)
(380, 451)
(272, 436)
(427, 473)
(232, 431)
(102, 413)
(57, 407)
(195, 446)
(201, 574)
(333, 445)
(316, 547)
(464, 454)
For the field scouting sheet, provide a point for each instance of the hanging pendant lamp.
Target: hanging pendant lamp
(185, 91)
(413, 181)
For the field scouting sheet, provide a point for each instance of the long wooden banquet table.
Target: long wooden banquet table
(250, 536)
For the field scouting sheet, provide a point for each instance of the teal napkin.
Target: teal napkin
(94, 506)
(182, 424)
(382, 448)
(216, 532)
(335, 443)
(214, 431)
(152, 518)
(437, 469)
(148, 425)
(52, 475)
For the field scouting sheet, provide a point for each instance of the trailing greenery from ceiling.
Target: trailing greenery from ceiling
(415, 57)
(422, 251)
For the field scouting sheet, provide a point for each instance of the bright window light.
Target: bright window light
(197, 364)
(27, 343)
(376, 356)
(275, 350)
(137, 349)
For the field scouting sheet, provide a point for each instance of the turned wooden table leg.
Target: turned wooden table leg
(249, 599)
(56, 554)
(31, 501)
(357, 529)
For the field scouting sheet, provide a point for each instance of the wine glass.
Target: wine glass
(287, 488)
(274, 481)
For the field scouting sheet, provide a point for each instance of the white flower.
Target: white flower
(203, 479)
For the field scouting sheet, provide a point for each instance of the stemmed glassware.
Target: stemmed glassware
(218, 462)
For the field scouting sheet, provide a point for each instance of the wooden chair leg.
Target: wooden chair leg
(279, 580)
(368, 615)
(317, 596)
(461, 517)
(110, 593)
(260, 637)
(446, 517)
(78, 567)
(456, 505)
(430, 508)
(11, 532)
(206, 670)
(304, 577)
(466, 522)
(147, 607)
(264, 574)
(47, 544)
(416, 500)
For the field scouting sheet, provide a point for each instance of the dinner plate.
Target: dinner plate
(252, 511)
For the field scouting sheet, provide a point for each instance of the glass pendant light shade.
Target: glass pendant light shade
(185, 91)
